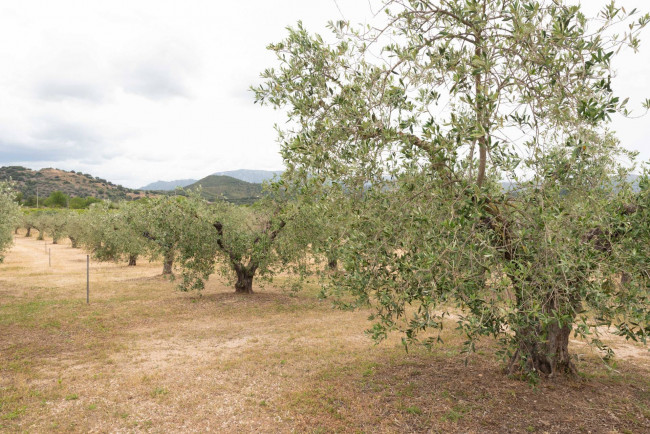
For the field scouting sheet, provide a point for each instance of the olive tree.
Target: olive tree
(54, 224)
(250, 240)
(38, 221)
(9, 215)
(473, 137)
(109, 233)
(240, 242)
(27, 221)
(74, 227)
(165, 222)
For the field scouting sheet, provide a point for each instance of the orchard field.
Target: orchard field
(145, 357)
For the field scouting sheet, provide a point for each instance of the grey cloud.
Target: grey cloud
(12, 153)
(156, 82)
(160, 74)
(63, 132)
(59, 90)
(56, 140)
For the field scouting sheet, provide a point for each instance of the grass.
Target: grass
(144, 356)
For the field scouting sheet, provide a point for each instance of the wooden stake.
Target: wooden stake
(87, 279)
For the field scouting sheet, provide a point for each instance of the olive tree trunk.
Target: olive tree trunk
(73, 242)
(544, 350)
(168, 262)
(543, 344)
(132, 260)
(29, 232)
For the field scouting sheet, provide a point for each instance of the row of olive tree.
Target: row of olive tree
(197, 238)
(53, 223)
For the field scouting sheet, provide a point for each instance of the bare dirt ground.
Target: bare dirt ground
(145, 357)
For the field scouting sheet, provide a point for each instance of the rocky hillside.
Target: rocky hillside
(74, 184)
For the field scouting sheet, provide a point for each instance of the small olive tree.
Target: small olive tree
(472, 135)
(54, 224)
(74, 227)
(247, 238)
(108, 233)
(38, 222)
(242, 242)
(27, 221)
(162, 223)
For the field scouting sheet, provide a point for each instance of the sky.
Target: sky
(136, 91)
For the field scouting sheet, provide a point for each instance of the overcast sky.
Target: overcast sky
(142, 90)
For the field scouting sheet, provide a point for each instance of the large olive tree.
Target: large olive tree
(472, 136)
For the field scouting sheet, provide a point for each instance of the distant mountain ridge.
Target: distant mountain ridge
(168, 185)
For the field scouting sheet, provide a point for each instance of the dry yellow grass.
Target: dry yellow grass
(145, 357)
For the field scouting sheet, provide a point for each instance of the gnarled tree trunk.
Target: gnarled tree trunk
(29, 231)
(132, 260)
(245, 275)
(73, 242)
(544, 350)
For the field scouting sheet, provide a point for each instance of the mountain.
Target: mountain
(252, 176)
(168, 185)
(74, 184)
(216, 187)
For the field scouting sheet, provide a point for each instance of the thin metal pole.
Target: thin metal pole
(87, 279)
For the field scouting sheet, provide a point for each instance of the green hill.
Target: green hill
(74, 184)
(215, 187)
